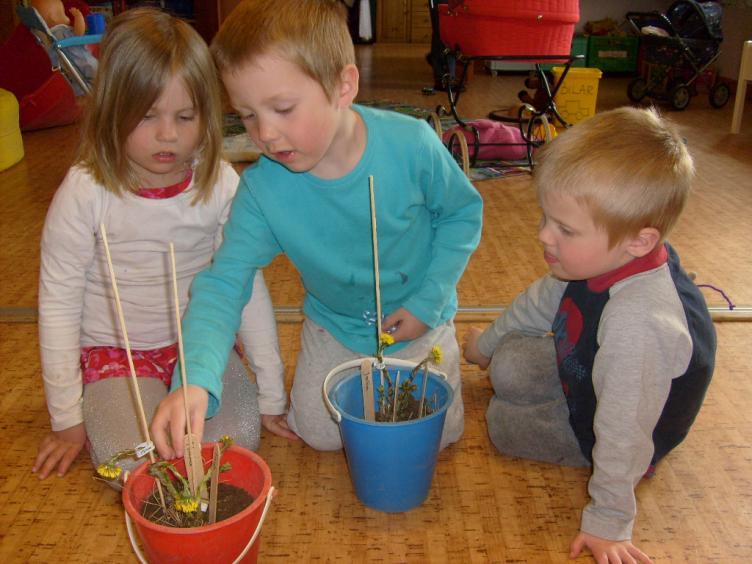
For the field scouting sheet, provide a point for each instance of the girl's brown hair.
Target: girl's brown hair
(142, 49)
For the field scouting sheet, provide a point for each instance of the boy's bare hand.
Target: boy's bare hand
(470, 348)
(607, 551)
(59, 449)
(406, 326)
(168, 424)
(277, 424)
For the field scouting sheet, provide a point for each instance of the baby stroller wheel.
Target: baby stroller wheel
(679, 96)
(719, 95)
(637, 89)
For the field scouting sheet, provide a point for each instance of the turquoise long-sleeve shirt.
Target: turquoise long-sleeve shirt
(429, 222)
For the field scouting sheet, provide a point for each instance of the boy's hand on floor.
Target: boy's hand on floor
(606, 551)
(59, 449)
(168, 425)
(470, 348)
(406, 326)
(277, 424)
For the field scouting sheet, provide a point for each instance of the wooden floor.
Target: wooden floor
(483, 507)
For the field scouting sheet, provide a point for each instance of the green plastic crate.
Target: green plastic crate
(579, 47)
(613, 53)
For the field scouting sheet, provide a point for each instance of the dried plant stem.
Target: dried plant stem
(134, 380)
(396, 392)
(423, 391)
(214, 487)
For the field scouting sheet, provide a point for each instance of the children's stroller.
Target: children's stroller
(536, 32)
(678, 50)
(62, 52)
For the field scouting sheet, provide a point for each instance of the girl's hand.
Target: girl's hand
(470, 348)
(168, 425)
(59, 449)
(606, 551)
(277, 424)
(406, 326)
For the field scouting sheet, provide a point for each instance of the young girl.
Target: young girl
(149, 170)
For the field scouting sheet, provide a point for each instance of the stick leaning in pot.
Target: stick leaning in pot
(194, 464)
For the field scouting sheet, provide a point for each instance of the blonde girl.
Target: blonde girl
(149, 170)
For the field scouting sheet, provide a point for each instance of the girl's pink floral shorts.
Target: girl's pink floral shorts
(98, 363)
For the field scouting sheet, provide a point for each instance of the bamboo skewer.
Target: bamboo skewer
(134, 380)
(375, 244)
(194, 465)
(377, 281)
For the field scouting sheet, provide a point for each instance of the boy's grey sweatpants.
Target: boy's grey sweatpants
(528, 415)
(320, 352)
(112, 424)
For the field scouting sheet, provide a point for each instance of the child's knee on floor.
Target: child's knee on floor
(324, 435)
(523, 369)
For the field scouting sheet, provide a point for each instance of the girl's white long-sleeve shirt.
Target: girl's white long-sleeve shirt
(76, 300)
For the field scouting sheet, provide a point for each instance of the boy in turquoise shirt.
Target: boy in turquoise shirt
(289, 70)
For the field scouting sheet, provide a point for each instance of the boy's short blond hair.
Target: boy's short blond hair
(312, 34)
(142, 49)
(628, 166)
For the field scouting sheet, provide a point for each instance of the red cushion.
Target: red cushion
(24, 64)
(45, 98)
(53, 103)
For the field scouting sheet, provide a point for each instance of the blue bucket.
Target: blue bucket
(391, 464)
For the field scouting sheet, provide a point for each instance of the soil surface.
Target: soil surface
(230, 501)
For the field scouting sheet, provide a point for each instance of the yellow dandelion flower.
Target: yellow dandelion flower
(436, 354)
(109, 471)
(386, 339)
(186, 504)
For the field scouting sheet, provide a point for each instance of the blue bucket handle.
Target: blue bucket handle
(355, 363)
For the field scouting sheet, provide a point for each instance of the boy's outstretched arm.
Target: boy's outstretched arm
(168, 424)
(456, 214)
(606, 551)
(212, 319)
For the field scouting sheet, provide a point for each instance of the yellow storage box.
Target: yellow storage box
(11, 143)
(578, 95)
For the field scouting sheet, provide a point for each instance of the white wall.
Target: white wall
(737, 28)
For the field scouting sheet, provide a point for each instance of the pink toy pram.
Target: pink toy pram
(533, 31)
